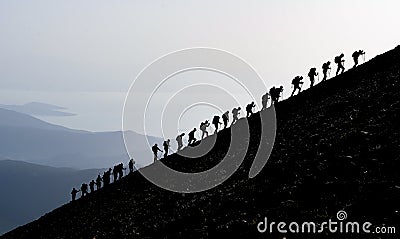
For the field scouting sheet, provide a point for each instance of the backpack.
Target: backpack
(203, 127)
(216, 120)
(338, 59)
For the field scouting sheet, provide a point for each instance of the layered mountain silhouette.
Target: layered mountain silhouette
(26, 138)
(37, 108)
(337, 148)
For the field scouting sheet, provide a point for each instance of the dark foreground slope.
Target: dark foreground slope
(337, 148)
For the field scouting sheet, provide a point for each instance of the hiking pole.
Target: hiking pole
(171, 150)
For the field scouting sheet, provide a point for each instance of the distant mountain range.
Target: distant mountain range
(37, 108)
(25, 138)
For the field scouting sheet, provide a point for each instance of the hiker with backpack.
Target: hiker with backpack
(203, 128)
(325, 68)
(73, 193)
(339, 61)
(131, 164)
(225, 119)
(84, 189)
(192, 139)
(264, 101)
(356, 55)
(91, 186)
(249, 109)
(179, 140)
(216, 123)
(312, 74)
(166, 147)
(107, 177)
(235, 115)
(297, 83)
(155, 150)
(115, 173)
(120, 170)
(276, 94)
(98, 182)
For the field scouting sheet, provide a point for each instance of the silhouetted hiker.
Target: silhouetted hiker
(73, 193)
(249, 109)
(91, 186)
(179, 140)
(339, 61)
(84, 189)
(225, 119)
(264, 101)
(203, 128)
(279, 92)
(98, 182)
(296, 82)
(131, 164)
(155, 150)
(120, 170)
(312, 74)
(235, 114)
(115, 173)
(356, 55)
(216, 123)
(107, 177)
(272, 93)
(166, 147)
(192, 139)
(325, 68)
(276, 94)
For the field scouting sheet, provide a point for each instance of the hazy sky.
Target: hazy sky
(84, 55)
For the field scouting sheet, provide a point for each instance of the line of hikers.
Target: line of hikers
(326, 70)
(216, 121)
(275, 94)
(103, 181)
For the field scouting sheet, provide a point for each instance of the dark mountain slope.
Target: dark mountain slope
(337, 148)
(28, 190)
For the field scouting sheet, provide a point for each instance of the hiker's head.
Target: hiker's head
(342, 55)
(239, 108)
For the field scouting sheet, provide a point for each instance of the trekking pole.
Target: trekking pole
(171, 150)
